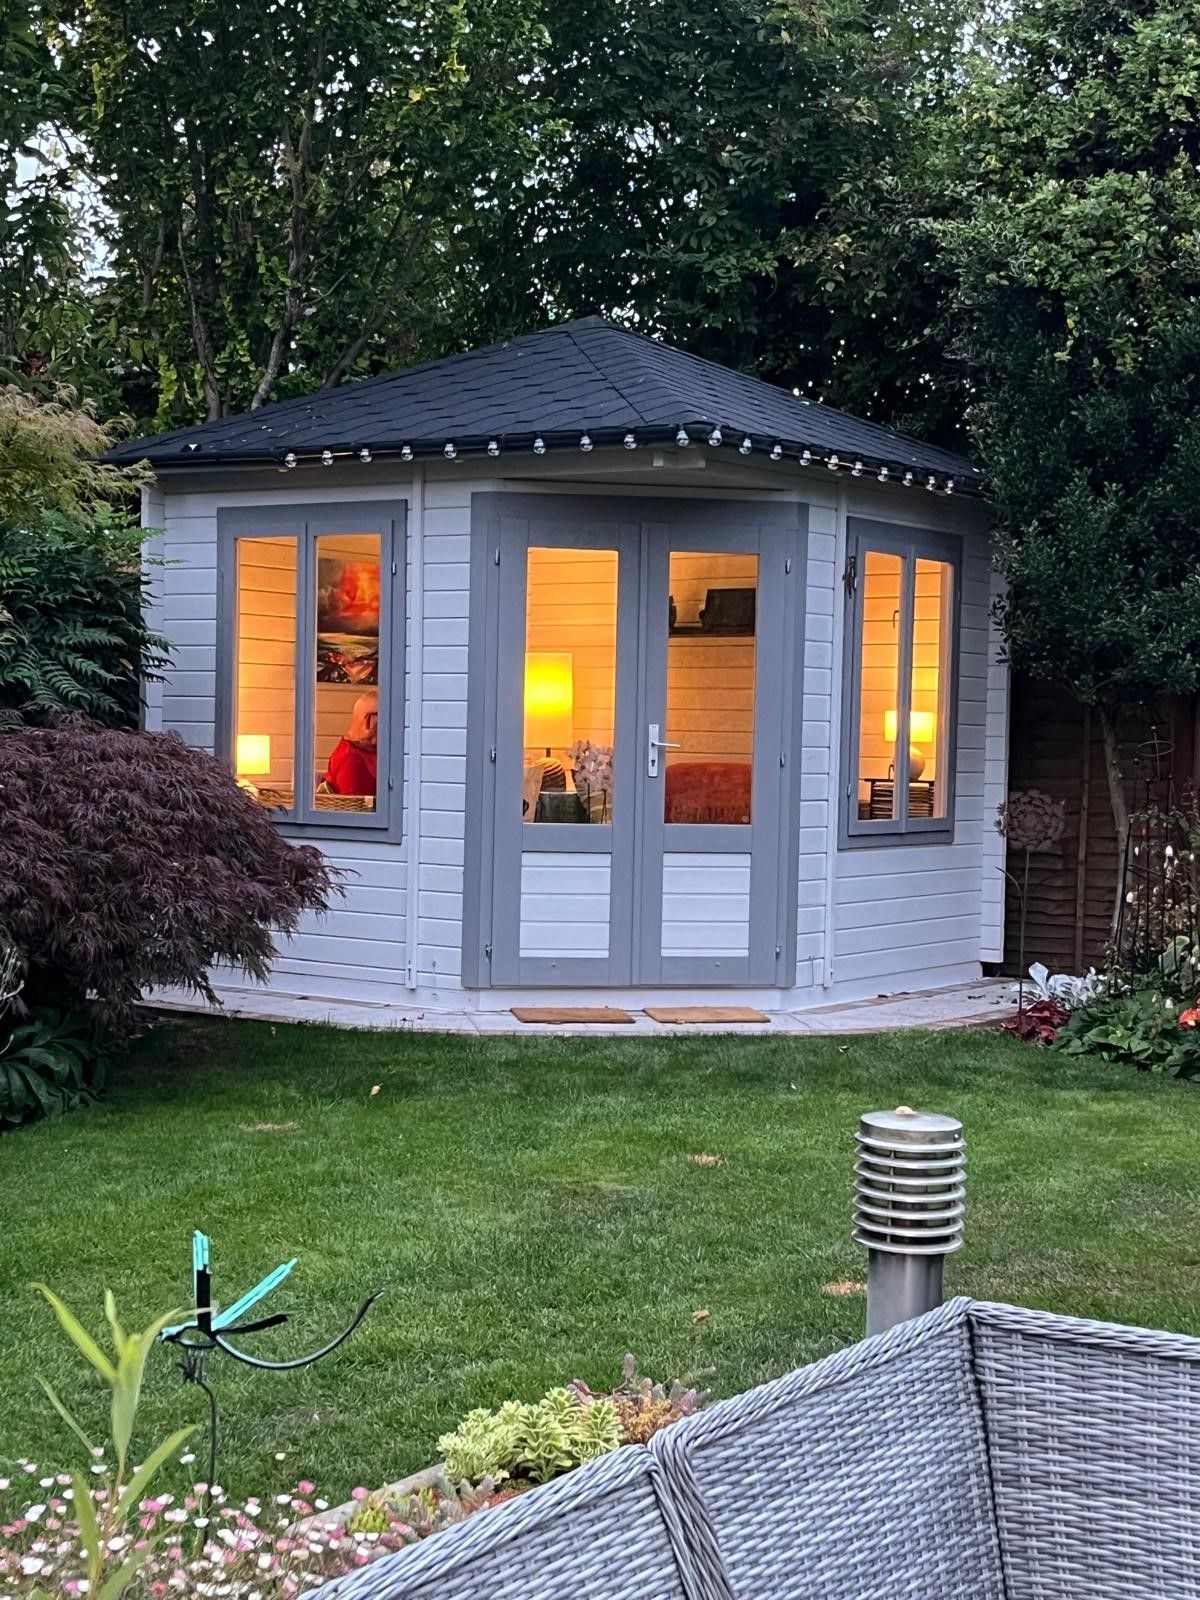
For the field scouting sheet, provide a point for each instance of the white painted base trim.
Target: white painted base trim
(981, 1003)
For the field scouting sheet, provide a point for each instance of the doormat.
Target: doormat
(570, 1014)
(706, 1014)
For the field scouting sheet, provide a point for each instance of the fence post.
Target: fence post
(908, 1209)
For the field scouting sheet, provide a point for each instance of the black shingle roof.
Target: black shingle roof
(586, 376)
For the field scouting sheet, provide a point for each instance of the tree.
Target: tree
(740, 176)
(292, 188)
(131, 860)
(43, 306)
(1077, 307)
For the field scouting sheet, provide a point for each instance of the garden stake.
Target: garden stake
(908, 1209)
(211, 1327)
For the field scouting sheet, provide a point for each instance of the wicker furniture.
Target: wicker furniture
(981, 1452)
(607, 1531)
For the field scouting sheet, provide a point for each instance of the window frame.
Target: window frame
(306, 524)
(911, 544)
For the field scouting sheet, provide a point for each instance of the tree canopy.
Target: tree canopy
(982, 226)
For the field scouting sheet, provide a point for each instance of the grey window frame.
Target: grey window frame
(912, 544)
(306, 524)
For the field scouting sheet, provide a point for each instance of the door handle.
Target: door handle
(653, 745)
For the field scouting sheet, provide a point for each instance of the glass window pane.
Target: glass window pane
(879, 708)
(929, 721)
(710, 687)
(265, 698)
(346, 694)
(570, 685)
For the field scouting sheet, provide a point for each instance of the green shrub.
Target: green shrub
(51, 1062)
(72, 632)
(1141, 1028)
(563, 1430)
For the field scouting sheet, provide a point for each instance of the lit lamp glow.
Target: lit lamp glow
(252, 758)
(549, 701)
(922, 727)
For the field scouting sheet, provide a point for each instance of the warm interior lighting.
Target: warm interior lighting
(253, 755)
(549, 701)
(920, 727)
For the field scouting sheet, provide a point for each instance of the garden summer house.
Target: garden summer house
(605, 672)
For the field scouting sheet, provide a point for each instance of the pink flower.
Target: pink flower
(359, 1494)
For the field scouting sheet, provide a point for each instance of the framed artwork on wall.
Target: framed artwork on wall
(348, 591)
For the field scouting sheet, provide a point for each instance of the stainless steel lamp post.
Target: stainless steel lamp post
(908, 1209)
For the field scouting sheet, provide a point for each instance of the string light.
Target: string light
(406, 452)
(450, 450)
(364, 455)
(908, 478)
(745, 447)
(714, 438)
(289, 460)
(585, 442)
(493, 447)
(805, 457)
(681, 438)
(326, 458)
(856, 470)
(832, 463)
(777, 452)
(931, 483)
(539, 446)
(629, 441)
(949, 485)
(883, 474)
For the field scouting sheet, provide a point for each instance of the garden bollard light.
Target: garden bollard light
(908, 1209)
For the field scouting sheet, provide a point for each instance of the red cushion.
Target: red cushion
(708, 791)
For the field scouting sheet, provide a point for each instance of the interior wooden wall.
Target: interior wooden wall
(1055, 745)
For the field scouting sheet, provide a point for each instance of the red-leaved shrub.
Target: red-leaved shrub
(129, 860)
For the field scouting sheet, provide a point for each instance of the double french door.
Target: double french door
(634, 734)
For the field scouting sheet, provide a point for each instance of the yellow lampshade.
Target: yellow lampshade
(921, 726)
(549, 700)
(253, 755)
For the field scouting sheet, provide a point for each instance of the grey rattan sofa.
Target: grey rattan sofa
(981, 1452)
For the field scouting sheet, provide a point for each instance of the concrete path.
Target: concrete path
(981, 1004)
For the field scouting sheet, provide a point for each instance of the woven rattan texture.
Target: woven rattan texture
(601, 1533)
(1094, 1433)
(863, 1477)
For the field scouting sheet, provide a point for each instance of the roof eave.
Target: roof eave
(891, 466)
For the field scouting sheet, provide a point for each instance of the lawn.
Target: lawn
(533, 1211)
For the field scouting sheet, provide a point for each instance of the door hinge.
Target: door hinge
(487, 950)
(492, 753)
(496, 556)
(395, 569)
(778, 951)
(783, 758)
(850, 576)
(787, 565)
(391, 784)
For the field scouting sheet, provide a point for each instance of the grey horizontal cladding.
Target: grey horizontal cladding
(560, 383)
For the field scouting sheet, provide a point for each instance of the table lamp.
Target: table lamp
(549, 701)
(921, 729)
(252, 759)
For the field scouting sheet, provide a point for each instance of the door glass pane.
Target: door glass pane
(929, 721)
(710, 687)
(265, 696)
(879, 685)
(346, 693)
(570, 685)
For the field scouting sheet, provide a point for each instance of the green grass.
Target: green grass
(530, 1210)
